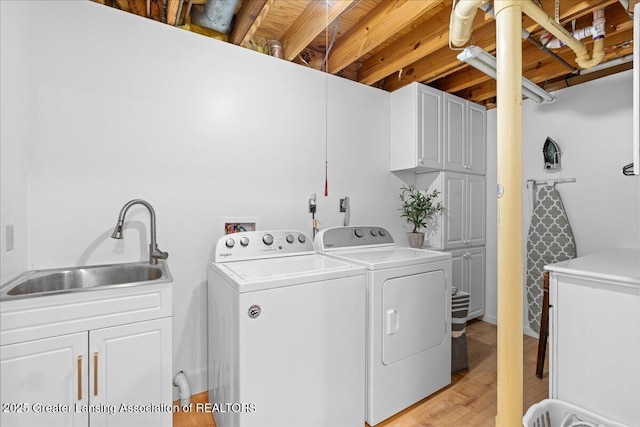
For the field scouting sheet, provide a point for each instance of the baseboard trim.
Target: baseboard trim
(526, 329)
(489, 319)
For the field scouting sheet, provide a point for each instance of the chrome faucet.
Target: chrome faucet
(154, 253)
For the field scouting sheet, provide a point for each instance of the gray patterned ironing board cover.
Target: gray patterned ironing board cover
(549, 240)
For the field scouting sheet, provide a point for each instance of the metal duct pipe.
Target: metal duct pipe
(216, 15)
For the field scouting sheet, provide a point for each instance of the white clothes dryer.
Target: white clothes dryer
(286, 333)
(408, 316)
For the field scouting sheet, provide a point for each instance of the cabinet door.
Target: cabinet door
(475, 195)
(455, 133)
(453, 224)
(468, 274)
(130, 365)
(476, 159)
(476, 279)
(457, 270)
(51, 371)
(430, 127)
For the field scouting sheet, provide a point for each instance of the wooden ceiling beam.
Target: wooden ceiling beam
(172, 11)
(441, 62)
(389, 17)
(311, 22)
(414, 45)
(248, 20)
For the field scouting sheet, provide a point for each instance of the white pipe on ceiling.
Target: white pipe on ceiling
(465, 10)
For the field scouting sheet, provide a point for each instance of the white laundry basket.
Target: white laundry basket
(556, 413)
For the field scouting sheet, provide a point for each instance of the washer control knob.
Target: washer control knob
(358, 232)
(301, 238)
(290, 238)
(244, 241)
(267, 239)
(230, 243)
(374, 232)
(382, 232)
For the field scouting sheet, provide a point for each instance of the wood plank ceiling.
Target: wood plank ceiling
(391, 43)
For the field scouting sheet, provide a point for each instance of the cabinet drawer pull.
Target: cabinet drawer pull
(80, 377)
(95, 373)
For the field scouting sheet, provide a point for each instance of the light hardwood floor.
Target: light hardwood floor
(470, 400)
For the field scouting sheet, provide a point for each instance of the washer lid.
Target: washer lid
(390, 257)
(259, 274)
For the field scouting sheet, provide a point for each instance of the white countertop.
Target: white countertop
(618, 264)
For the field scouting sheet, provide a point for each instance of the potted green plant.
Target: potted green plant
(418, 207)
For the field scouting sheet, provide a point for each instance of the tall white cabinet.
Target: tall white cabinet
(443, 139)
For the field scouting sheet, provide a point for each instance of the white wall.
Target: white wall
(592, 123)
(126, 108)
(14, 134)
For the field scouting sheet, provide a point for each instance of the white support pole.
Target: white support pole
(509, 130)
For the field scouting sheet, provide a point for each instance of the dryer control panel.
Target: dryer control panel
(261, 244)
(352, 237)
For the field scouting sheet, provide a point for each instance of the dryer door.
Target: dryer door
(414, 310)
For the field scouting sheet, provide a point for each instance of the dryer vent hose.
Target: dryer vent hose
(180, 380)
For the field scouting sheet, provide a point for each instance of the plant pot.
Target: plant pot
(416, 240)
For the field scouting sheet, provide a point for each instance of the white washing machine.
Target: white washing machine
(408, 316)
(286, 333)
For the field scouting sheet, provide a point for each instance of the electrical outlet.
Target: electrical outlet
(10, 243)
(312, 203)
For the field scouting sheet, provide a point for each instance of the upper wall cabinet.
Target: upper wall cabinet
(433, 130)
(465, 136)
(417, 125)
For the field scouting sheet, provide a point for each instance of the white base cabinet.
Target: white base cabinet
(96, 358)
(43, 380)
(595, 333)
(117, 376)
(130, 374)
(468, 274)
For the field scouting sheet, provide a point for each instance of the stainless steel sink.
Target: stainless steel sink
(45, 282)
